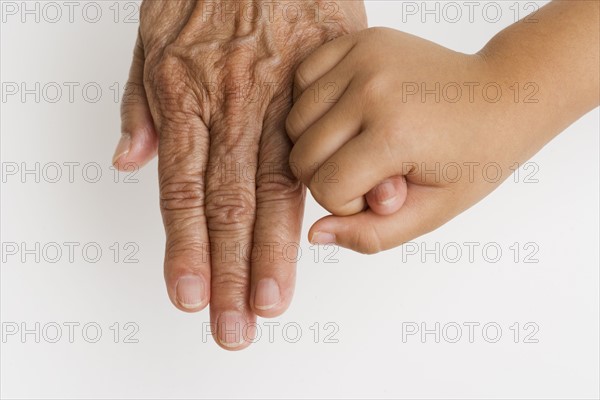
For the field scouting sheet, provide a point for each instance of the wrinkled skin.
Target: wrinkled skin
(209, 90)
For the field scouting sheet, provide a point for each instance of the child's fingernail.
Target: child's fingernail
(122, 148)
(386, 193)
(322, 238)
(267, 294)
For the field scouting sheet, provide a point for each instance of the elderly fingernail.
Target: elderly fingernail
(267, 294)
(323, 238)
(122, 148)
(386, 193)
(231, 329)
(190, 291)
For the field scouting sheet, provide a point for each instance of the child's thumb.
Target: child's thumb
(425, 209)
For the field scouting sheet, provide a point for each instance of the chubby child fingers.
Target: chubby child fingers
(321, 61)
(342, 181)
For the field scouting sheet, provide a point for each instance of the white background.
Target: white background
(370, 299)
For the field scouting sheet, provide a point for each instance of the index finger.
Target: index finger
(321, 61)
(183, 147)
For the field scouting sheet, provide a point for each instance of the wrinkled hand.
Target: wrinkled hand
(209, 89)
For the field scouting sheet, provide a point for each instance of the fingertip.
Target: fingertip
(273, 312)
(189, 291)
(122, 150)
(424, 209)
(354, 232)
(330, 198)
(324, 231)
(289, 128)
(135, 150)
(322, 237)
(270, 298)
(388, 197)
(233, 330)
(353, 207)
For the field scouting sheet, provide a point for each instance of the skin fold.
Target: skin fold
(209, 90)
(403, 116)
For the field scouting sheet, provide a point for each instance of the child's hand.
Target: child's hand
(404, 107)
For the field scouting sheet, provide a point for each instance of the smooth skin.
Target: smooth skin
(399, 119)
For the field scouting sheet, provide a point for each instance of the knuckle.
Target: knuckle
(235, 280)
(377, 31)
(230, 208)
(168, 76)
(182, 195)
(296, 121)
(181, 251)
(175, 95)
(366, 241)
(375, 34)
(277, 185)
(298, 165)
(291, 125)
(294, 157)
(328, 200)
(300, 77)
(373, 88)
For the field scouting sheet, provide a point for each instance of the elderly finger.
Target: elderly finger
(279, 210)
(230, 211)
(139, 140)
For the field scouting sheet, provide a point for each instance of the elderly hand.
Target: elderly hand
(209, 89)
